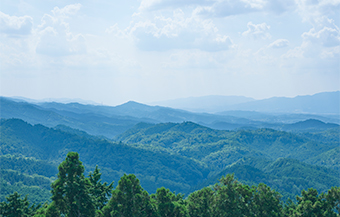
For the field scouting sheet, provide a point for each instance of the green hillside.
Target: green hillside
(214, 146)
(180, 156)
(154, 169)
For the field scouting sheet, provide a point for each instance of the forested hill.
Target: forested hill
(210, 146)
(320, 103)
(154, 169)
(248, 153)
(110, 121)
(178, 156)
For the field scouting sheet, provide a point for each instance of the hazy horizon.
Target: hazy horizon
(153, 103)
(112, 52)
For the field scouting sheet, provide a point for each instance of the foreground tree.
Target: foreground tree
(129, 199)
(231, 198)
(333, 199)
(73, 195)
(15, 206)
(313, 205)
(169, 204)
(266, 202)
(200, 203)
(101, 192)
(70, 191)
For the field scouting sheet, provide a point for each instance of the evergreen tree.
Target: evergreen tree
(310, 204)
(70, 191)
(99, 191)
(169, 204)
(129, 199)
(17, 207)
(200, 203)
(333, 199)
(266, 202)
(231, 198)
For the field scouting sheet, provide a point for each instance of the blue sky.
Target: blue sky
(111, 52)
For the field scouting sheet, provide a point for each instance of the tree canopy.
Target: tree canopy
(73, 195)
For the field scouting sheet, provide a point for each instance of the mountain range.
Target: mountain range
(109, 121)
(174, 148)
(180, 156)
(320, 103)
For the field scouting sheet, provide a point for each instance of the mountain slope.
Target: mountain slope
(210, 104)
(320, 103)
(114, 159)
(74, 115)
(288, 176)
(212, 146)
(176, 156)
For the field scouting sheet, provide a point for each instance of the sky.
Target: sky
(110, 51)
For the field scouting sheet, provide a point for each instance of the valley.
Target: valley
(166, 147)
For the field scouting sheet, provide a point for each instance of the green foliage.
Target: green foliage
(312, 204)
(232, 198)
(169, 204)
(75, 195)
(200, 203)
(16, 207)
(99, 191)
(51, 145)
(182, 157)
(29, 166)
(329, 159)
(129, 199)
(35, 194)
(266, 202)
(70, 191)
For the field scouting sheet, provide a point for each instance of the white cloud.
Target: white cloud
(229, 7)
(175, 32)
(56, 44)
(14, 26)
(161, 4)
(279, 43)
(166, 45)
(67, 10)
(117, 32)
(55, 36)
(312, 10)
(321, 41)
(225, 8)
(257, 31)
(327, 34)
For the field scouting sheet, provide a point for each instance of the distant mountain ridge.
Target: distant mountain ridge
(109, 121)
(212, 103)
(320, 103)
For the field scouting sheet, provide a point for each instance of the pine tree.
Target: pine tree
(17, 207)
(129, 199)
(99, 191)
(200, 203)
(70, 191)
(169, 204)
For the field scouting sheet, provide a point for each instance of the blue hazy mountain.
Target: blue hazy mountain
(210, 104)
(109, 121)
(75, 115)
(320, 103)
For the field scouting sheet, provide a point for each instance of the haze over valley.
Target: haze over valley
(189, 150)
(169, 108)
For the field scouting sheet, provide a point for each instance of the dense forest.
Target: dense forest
(291, 158)
(183, 157)
(73, 195)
